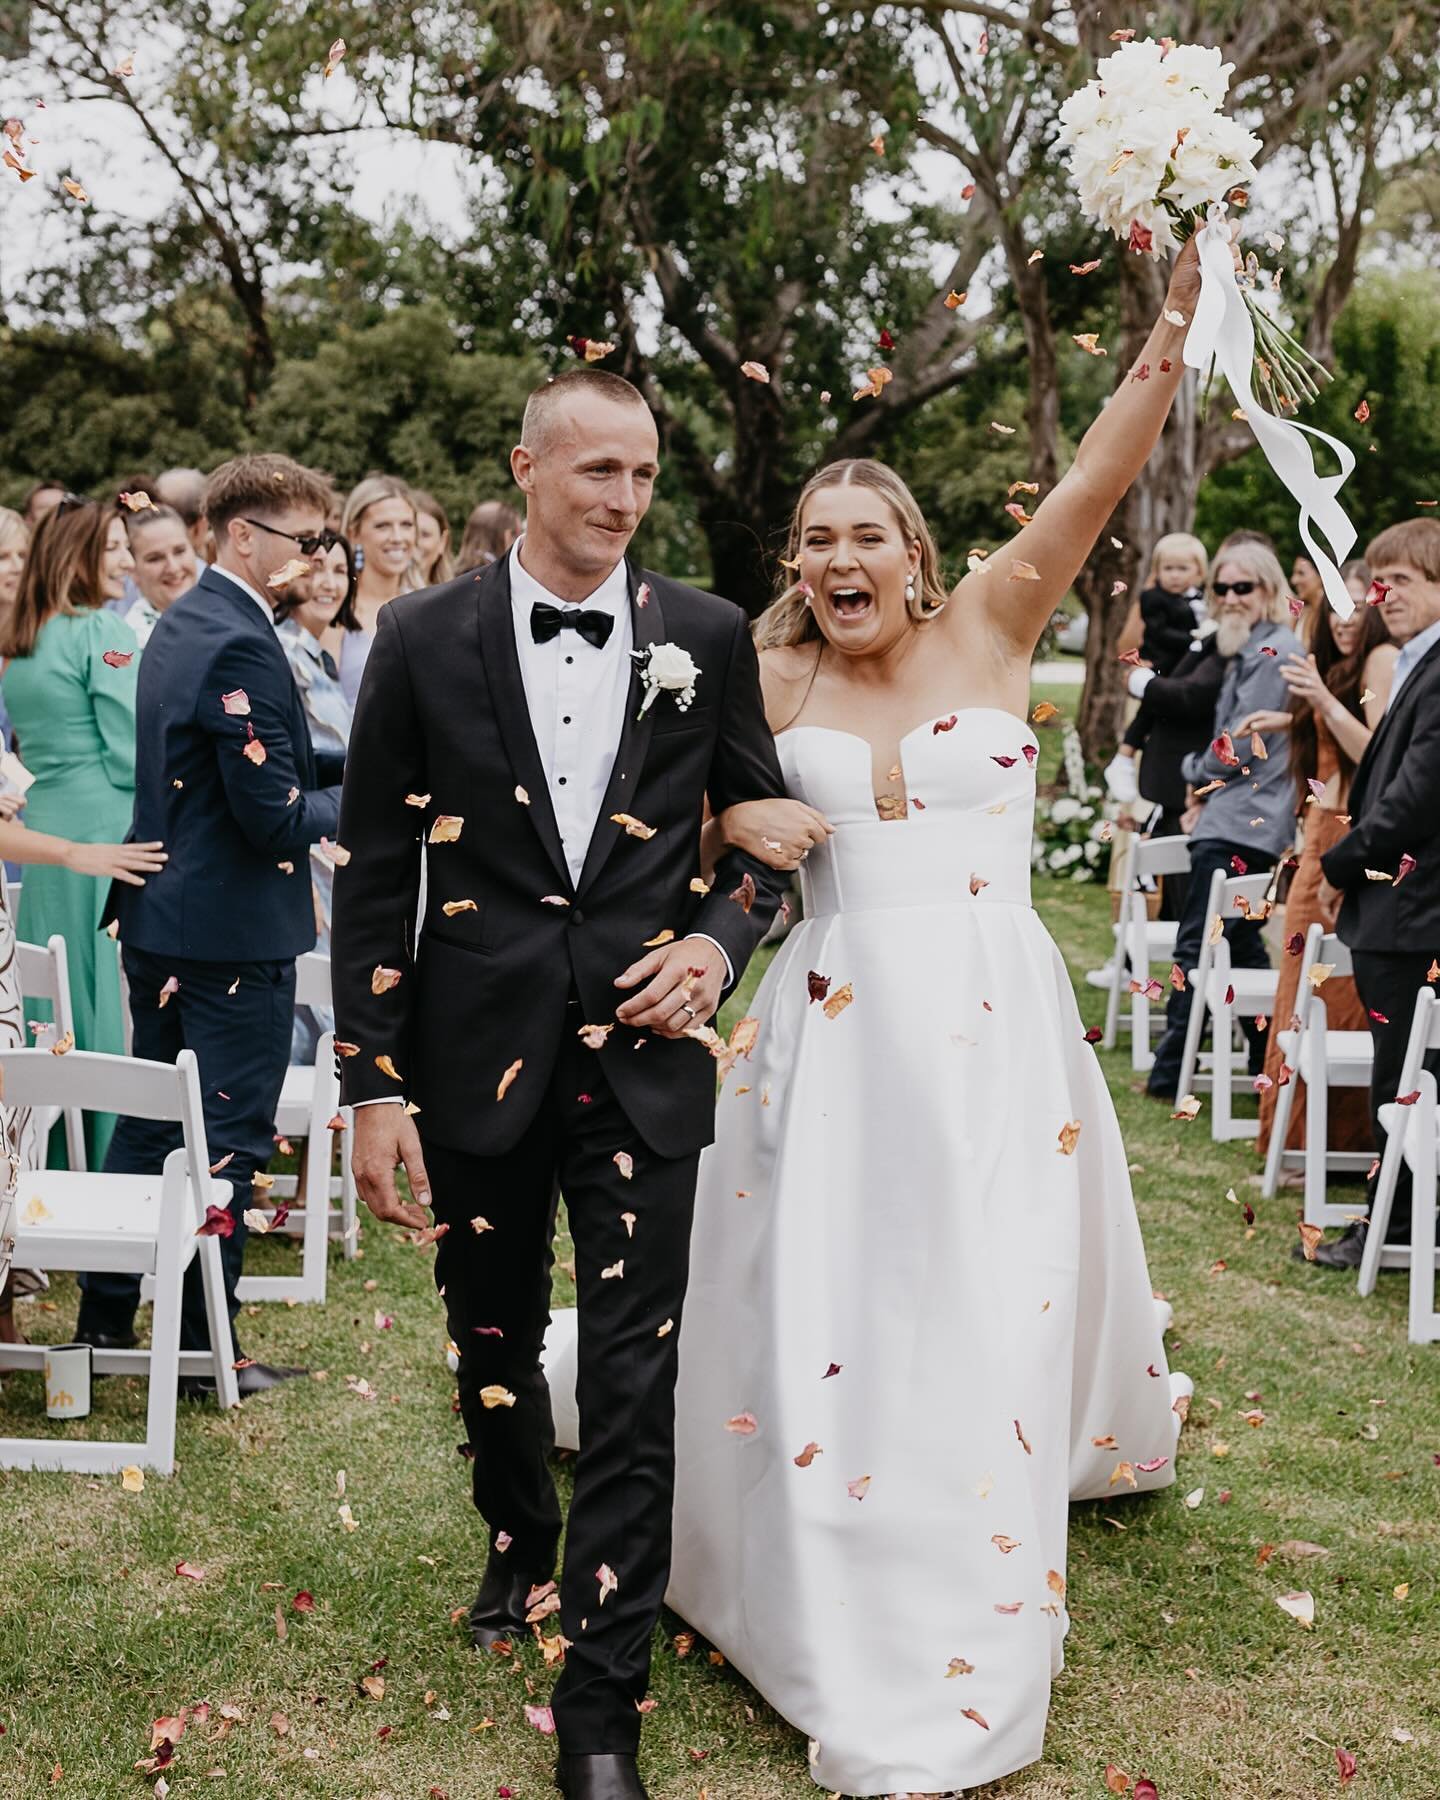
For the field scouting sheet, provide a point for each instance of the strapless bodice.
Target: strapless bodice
(966, 839)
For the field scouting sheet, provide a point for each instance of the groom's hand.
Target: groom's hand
(683, 983)
(385, 1136)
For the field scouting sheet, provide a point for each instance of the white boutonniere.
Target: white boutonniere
(666, 668)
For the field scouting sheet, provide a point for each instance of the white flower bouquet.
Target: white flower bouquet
(1153, 155)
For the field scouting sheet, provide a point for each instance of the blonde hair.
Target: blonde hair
(13, 526)
(443, 567)
(370, 491)
(1177, 544)
(788, 619)
(1261, 564)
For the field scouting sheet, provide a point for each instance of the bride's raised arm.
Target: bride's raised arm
(1016, 602)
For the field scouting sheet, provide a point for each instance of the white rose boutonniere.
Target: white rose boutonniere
(666, 668)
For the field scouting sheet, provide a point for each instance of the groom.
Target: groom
(550, 729)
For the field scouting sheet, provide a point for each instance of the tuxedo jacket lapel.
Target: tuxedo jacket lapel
(512, 710)
(647, 624)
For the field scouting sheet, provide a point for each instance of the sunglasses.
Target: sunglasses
(308, 545)
(1222, 588)
(73, 503)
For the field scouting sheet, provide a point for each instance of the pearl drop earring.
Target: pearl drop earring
(910, 588)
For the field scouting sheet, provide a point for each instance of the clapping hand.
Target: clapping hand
(1302, 676)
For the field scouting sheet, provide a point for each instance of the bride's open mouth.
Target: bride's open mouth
(851, 602)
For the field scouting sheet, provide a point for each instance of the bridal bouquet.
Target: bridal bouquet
(1153, 156)
(1151, 151)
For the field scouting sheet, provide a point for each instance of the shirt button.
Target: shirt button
(563, 780)
(566, 719)
(569, 659)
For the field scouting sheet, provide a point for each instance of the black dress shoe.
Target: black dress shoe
(254, 1378)
(498, 1614)
(104, 1340)
(599, 1778)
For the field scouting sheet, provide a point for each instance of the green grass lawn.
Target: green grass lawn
(1180, 1664)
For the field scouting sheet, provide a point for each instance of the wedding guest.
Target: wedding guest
(42, 498)
(19, 1140)
(14, 545)
(210, 944)
(184, 490)
(1393, 927)
(305, 611)
(165, 566)
(489, 532)
(1243, 819)
(1337, 698)
(379, 519)
(1161, 627)
(69, 684)
(1309, 593)
(432, 541)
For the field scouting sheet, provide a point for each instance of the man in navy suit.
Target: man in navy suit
(226, 777)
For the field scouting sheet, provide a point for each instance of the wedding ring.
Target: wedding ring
(688, 1009)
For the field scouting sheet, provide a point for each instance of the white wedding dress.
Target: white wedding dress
(919, 1319)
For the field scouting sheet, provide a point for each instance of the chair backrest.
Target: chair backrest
(312, 980)
(1158, 856)
(44, 972)
(1325, 948)
(1424, 1037)
(116, 1084)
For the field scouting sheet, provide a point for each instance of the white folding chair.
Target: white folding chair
(309, 1101)
(44, 974)
(1227, 995)
(1411, 1138)
(1324, 1059)
(128, 1224)
(1142, 943)
(12, 895)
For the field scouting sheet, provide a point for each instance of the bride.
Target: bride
(919, 1319)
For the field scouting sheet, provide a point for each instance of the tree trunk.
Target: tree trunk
(1161, 499)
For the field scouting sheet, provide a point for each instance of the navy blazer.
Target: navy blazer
(226, 778)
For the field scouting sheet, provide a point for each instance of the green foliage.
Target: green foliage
(1387, 353)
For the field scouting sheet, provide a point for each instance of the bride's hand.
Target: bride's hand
(781, 833)
(1185, 276)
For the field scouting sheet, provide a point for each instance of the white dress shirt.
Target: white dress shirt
(577, 693)
(1410, 654)
(245, 588)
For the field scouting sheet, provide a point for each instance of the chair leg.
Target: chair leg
(1424, 1319)
(1390, 1166)
(1317, 1135)
(349, 1199)
(1194, 1035)
(1141, 1056)
(1222, 1071)
(1117, 979)
(1279, 1131)
(317, 1216)
(170, 1258)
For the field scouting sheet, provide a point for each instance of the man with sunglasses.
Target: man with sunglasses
(1241, 790)
(226, 776)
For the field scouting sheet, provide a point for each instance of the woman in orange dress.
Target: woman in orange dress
(1338, 695)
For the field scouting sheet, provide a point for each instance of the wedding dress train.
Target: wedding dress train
(919, 1319)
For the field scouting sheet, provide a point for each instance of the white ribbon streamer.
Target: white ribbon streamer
(1223, 329)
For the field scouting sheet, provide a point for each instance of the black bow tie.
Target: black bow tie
(547, 622)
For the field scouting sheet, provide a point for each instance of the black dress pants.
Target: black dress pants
(1387, 984)
(632, 1244)
(242, 1043)
(1247, 951)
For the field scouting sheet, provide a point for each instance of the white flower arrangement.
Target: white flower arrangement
(668, 669)
(1153, 155)
(1068, 841)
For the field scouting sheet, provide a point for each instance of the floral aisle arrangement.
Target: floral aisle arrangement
(1072, 837)
(1153, 156)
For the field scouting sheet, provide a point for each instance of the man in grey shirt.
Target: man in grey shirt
(1247, 798)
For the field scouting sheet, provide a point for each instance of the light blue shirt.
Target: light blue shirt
(1410, 654)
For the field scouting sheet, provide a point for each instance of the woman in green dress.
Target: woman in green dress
(69, 686)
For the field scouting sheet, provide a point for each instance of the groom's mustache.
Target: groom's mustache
(615, 521)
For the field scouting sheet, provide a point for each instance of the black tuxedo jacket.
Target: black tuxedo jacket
(1395, 812)
(237, 828)
(442, 728)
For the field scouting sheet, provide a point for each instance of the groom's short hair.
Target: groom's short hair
(541, 407)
